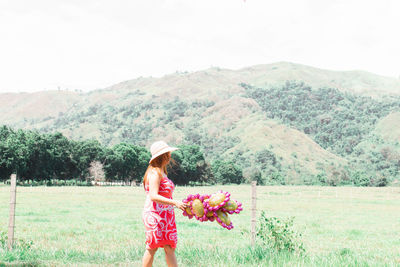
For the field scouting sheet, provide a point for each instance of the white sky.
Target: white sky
(90, 44)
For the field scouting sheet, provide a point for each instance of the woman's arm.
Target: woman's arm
(154, 184)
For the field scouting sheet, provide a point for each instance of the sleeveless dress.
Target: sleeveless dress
(159, 219)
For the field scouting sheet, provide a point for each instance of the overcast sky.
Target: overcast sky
(85, 44)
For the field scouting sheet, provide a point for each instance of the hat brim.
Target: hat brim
(165, 150)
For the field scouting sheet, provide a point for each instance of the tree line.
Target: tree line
(39, 157)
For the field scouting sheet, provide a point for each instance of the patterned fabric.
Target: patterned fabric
(159, 219)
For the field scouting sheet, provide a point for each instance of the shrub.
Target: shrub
(360, 178)
(278, 234)
(256, 175)
(18, 242)
(276, 178)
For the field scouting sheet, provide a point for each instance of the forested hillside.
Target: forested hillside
(324, 129)
(340, 122)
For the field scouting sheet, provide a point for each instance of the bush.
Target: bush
(278, 234)
(70, 182)
(54, 182)
(18, 242)
(256, 175)
(360, 178)
(276, 178)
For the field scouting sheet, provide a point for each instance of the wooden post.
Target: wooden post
(11, 223)
(253, 212)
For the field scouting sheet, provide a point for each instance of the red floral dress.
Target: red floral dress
(159, 219)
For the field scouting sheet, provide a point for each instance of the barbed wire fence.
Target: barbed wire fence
(283, 193)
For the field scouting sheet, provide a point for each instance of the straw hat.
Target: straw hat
(160, 147)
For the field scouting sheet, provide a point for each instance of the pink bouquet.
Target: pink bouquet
(212, 207)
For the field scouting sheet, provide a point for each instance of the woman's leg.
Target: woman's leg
(148, 257)
(170, 256)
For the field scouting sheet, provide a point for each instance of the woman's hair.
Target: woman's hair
(159, 163)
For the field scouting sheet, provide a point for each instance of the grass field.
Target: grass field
(102, 226)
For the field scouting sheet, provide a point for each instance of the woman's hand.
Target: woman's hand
(180, 205)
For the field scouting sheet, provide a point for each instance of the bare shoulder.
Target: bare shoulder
(154, 173)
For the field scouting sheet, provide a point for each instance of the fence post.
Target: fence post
(11, 223)
(253, 212)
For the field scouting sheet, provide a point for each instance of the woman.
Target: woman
(158, 212)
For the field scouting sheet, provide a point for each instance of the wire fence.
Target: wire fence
(132, 197)
(77, 202)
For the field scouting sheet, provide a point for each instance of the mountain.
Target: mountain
(214, 84)
(211, 108)
(360, 82)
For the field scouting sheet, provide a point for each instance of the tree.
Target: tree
(190, 165)
(96, 172)
(83, 154)
(126, 162)
(227, 172)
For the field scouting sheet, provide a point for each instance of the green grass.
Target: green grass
(102, 226)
